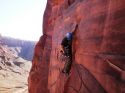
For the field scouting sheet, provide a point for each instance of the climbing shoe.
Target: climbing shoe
(66, 73)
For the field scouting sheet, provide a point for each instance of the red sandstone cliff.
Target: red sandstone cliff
(98, 48)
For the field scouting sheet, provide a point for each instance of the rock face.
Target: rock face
(98, 48)
(13, 71)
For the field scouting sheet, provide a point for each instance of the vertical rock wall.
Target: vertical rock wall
(98, 48)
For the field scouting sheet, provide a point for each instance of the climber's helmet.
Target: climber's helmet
(69, 36)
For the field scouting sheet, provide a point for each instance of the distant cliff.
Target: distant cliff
(98, 48)
(25, 48)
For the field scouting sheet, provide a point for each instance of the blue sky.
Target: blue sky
(22, 18)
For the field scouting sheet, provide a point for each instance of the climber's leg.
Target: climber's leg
(68, 61)
(67, 66)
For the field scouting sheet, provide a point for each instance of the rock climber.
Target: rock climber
(66, 50)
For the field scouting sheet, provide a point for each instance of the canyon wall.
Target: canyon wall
(26, 48)
(98, 48)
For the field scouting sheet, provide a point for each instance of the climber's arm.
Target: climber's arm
(62, 49)
(62, 45)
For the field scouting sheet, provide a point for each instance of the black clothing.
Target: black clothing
(67, 66)
(67, 47)
(65, 42)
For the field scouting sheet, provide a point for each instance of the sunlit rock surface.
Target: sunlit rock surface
(98, 48)
(13, 71)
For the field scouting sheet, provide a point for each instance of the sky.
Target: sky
(22, 19)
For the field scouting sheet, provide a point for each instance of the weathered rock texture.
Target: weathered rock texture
(98, 48)
(13, 71)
